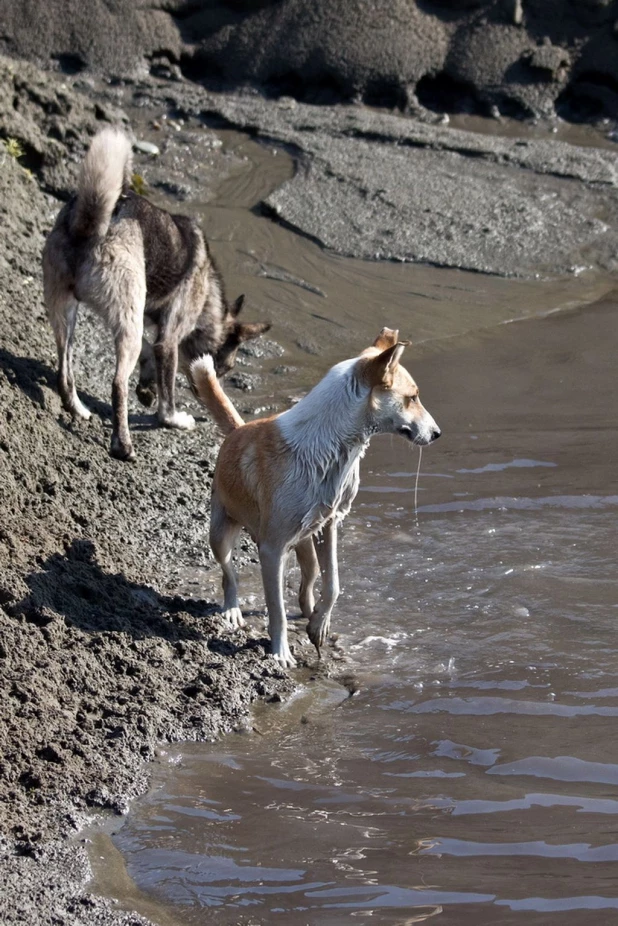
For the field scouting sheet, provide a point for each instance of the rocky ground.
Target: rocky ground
(519, 57)
(99, 660)
(102, 657)
(398, 189)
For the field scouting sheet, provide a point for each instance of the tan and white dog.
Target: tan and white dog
(291, 479)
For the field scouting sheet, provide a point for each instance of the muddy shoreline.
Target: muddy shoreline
(103, 653)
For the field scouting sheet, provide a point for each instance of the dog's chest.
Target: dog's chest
(333, 496)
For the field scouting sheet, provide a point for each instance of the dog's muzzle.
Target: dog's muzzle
(408, 433)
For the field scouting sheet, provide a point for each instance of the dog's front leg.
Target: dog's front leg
(166, 355)
(272, 561)
(326, 549)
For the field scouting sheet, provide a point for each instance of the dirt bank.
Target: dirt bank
(520, 57)
(100, 660)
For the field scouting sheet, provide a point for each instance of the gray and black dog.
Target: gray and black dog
(136, 264)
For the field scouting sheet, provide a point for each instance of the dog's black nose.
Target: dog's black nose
(436, 434)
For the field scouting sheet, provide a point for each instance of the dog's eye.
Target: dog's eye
(410, 399)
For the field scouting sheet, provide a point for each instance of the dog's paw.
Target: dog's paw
(284, 657)
(79, 410)
(318, 630)
(233, 618)
(181, 420)
(122, 451)
(146, 393)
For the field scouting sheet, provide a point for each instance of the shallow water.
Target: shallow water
(323, 306)
(459, 759)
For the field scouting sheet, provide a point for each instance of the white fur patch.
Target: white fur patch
(233, 618)
(204, 364)
(181, 420)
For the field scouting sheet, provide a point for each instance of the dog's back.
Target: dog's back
(171, 245)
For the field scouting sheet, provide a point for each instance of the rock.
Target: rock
(549, 58)
(418, 192)
(146, 147)
(243, 381)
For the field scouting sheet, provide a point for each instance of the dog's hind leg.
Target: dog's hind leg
(223, 536)
(62, 308)
(146, 389)
(272, 561)
(128, 339)
(326, 549)
(63, 323)
(309, 571)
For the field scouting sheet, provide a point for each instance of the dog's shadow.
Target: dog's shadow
(32, 377)
(97, 602)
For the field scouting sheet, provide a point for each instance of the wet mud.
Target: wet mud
(110, 640)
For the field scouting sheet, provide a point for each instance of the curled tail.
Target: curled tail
(106, 169)
(209, 392)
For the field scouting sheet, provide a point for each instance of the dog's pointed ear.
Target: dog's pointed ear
(251, 330)
(235, 310)
(381, 369)
(388, 337)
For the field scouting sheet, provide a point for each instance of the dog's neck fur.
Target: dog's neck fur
(330, 420)
(328, 432)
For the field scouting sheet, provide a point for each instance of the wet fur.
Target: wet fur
(135, 264)
(291, 479)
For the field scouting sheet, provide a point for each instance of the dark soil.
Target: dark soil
(100, 660)
(523, 57)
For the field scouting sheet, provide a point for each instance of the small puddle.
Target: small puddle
(573, 133)
(472, 774)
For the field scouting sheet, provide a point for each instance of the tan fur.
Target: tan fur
(388, 337)
(249, 469)
(292, 477)
(211, 394)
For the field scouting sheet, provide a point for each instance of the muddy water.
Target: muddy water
(458, 760)
(323, 306)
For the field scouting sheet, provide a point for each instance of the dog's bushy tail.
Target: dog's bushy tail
(106, 169)
(210, 393)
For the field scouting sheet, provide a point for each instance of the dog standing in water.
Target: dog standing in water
(133, 262)
(295, 475)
